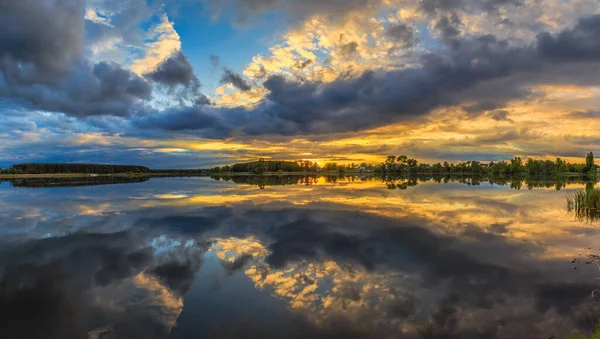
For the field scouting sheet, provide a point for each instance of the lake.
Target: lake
(294, 257)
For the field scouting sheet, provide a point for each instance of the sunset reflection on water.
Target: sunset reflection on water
(319, 257)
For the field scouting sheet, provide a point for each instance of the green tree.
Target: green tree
(412, 163)
(589, 163)
(330, 167)
(446, 166)
(561, 166)
(517, 165)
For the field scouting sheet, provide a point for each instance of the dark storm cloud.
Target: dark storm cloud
(373, 99)
(115, 83)
(100, 89)
(484, 69)
(53, 76)
(231, 77)
(42, 65)
(579, 44)
(200, 118)
(47, 35)
(176, 70)
(377, 98)
(448, 26)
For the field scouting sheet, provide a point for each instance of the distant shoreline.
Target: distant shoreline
(235, 174)
(67, 175)
(162, 174)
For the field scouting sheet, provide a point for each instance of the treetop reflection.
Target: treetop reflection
(402, 183)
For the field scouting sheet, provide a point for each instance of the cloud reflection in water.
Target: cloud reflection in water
(344, 259)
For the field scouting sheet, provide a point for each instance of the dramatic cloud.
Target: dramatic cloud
(230, 77)
(378, 98)
(578, 44)
(42, 64)
(174, 71)
(164, 42)
(40, 40)
(100, 89)
(199, 118)
(339, 67)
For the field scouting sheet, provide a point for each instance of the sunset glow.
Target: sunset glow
(203, 83)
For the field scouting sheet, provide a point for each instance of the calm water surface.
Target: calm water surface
(200, 258)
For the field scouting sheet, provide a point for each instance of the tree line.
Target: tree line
(75, 182)
(393, 165)
(41, 168)
(262, 166)
(404, 165)
(515, 166)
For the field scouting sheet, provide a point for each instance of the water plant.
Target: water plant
(585, 204)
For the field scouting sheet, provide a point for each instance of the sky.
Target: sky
(201, 83)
